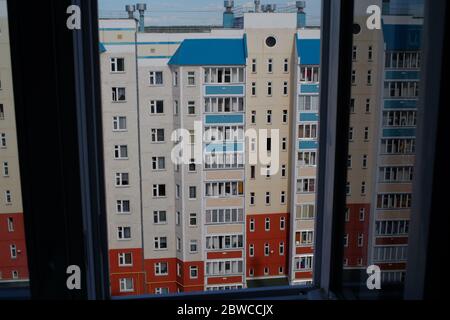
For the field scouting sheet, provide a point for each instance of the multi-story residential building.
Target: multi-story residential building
(382, 141)
(220, 219)
(13, 257)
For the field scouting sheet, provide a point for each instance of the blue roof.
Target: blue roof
(202, 52)
(402, 37)
(102, 47)
(308, 51)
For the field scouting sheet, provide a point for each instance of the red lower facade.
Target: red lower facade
(357, 230)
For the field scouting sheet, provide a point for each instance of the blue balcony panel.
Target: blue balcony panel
(402, 75)
(394, 133)
(224, 90)
(225, 119)
(309, 117)
(224, 147)
(309, 88)
(400, 104)
(306, 145)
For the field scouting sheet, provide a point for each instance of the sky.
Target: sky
(192, 12)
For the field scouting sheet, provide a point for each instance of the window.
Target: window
(286, 66)
(193, 272)
(309, 74)
(346, 240)
(122, 179)
(305, 238)
(117, 65)
(158, 163)
(391, 227)
(120, 152)
(366, 134)
(253, 65)
(364, 161)
(161, 269)
(163, 290)
(175, 79)
(352, 105)
(125, 259)
(224, 267)
(285, 88)
(308, 103)
(307, 158)
(348, 189)
(369, 77)
(269, 116)
(119, 123)
(253, 89)
(353, 77)
(354, 53)
(159, 190)
(13, 251)
(5, 169)
(281, 249)
(269, 144)
(267, 224)
(362, 213)
(220, 242)
(124, 233)
(253, 117)
(126, 285)
(156, 78)
(252, 198)
(178, 244)
(157, 135)
(191, 107)
(193, 219)
(160, 243)
(157, 107)
(252, 172)
(268, 172)
(270, 65)
(267, 198)
(192, 192)
(349, 161)
(251, 250)
(252, 225)
(396, 174)
(306, 185)
(367, 105)
(178, 218)
(191, 78)
(305, 212)
(224, 75)
(398, 146)
(282, 223)
(350, 134)
(347, 214)
(370, 53)
(8, 198)
(192, 166)
(269, 88)
(176, 107)
(224, 216)
(304, 263)
(283, 171)
(363, 188)
(307, 131)
(123, 206)
(2, 112)
(224, 189)
(10, 224)
(285, 117)
(394, 201)
(283, 197)
(266, 249)
(159, 217)
(360, 239)
(118, 94)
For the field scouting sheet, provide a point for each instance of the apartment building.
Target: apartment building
(218, 220)
(13, 257)
(382, 142)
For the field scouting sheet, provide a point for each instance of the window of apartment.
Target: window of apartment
(305, 238)
(13, 251)
(363, 188)
(400, 118)
(192, 219)
(119, 123)
(224, 189)
(253, 89)
(157, 135)
(269, 116)
(367, 105)
(178, 245)
(350, 134)
(307, 158)
(269, 88)
(267, 224)
(285, 117)
(306, 185)
(391, 227)
(122, 179)
(348, 189)
(161, 269)
(366, 134)
(125, 259)
(193, 246)
(219, 242)
(191, 78)
(156, 78)
(394, 201)
(224, 75)
(252, 198)
(8, 197)
(160, 243)
(283, 171)
(156, 106)
(362, 214)
(281, 249)
(253, 65)
(191, 107)
(282, 223)
(270, 65)
(370, 53)
(346, 240)
(163, 290)
(398, 146)
(266, 271)
(251, 250)
(193, 272)
(123, 233)
(304, 263)
(305, 212)
(401, 89)
(285, 88)
(158, 163)
(267, 198)
(354, 53)
(396, 174)
(126, 285)
(286, 66)
(269, 144)
(159, 190)
(309, 74)
(268, 171)
(192, 192)
(364, 161)
(307, 131)
(283, 197)
(352, 105)
(120, 152)
(349, 161)
(175, 79)
(123, 206)
(117, 64)
(347, 214)
(224, 216)
(308, 103)
(252, 225)
(360, 239)
(176, 108)
(2, 112)
(118, 94)
(354, 77)
(266, 249)
(192, 166)
(10, 223)
(369, 77)
(159, 217)
(224, 267)
(5, 169)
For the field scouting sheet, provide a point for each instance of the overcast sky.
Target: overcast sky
(193, 12)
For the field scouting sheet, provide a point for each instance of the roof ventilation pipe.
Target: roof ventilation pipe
(301, 15)
(141, 7)
(228, 15)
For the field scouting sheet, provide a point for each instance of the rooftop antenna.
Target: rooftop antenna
(257, 5)
(141, 7)
(130, 8)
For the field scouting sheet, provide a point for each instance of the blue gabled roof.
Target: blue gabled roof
(102, 47)
(308, 51)
(202, 52)
(402, 37)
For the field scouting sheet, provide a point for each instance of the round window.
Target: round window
(271, 42)
(356, 28)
